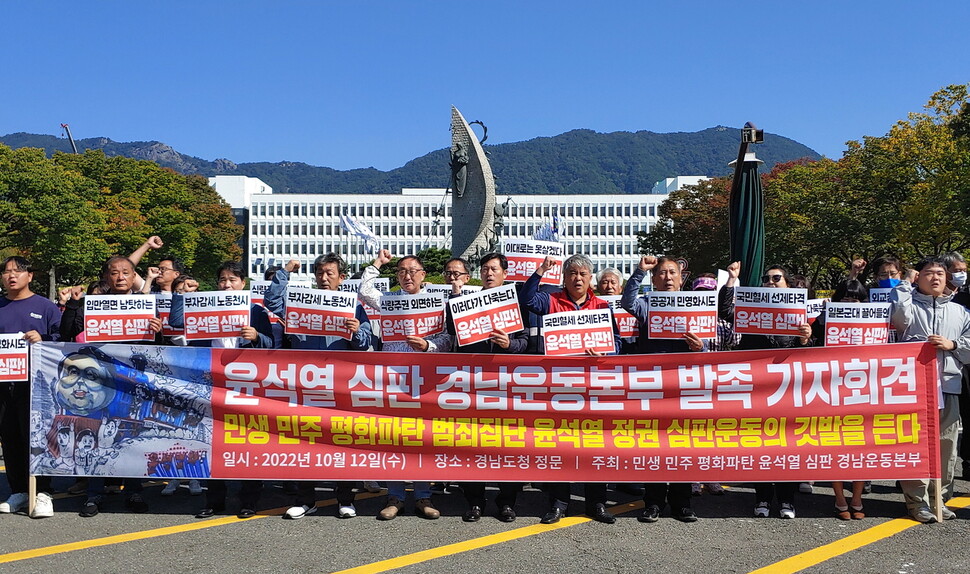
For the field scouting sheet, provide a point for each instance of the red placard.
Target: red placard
(215, 314)
(420, 315)
(476, 315)
(575, 332)
(628, 325)
(118, 318)
(856, 324)
(13, 358)
(525, 256)
(672, 314)
(769, 310)
(319, 312)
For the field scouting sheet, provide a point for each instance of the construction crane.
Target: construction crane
(67, 128)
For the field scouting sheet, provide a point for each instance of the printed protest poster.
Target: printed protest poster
(319, 312)
(627, 323)
(418, 315)
(769, 310)
(257, 290)
(525, 255)
(573, 332)
(673, 314)
(476, 315)
(445, 290)
(13, 358)
(163, 303)
(856, 324)
(813, 310)
(118, 318)
(879, 295)
(215, 314)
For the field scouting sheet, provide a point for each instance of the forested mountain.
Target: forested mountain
(579, 161)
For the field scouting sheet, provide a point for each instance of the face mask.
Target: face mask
(888, 283)
(959, 278)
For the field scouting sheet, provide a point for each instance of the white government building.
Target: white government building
(280, 227)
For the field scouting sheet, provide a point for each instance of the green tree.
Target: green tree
(50, 215)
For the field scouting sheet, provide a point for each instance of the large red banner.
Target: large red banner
(844, 413)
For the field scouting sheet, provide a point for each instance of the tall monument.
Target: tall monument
(472, 193)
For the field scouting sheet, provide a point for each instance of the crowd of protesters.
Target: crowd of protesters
(929, 303)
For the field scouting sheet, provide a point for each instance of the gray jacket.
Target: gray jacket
(915, 316)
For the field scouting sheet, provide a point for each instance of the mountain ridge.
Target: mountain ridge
(579, 161)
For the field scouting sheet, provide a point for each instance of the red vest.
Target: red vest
(560, 302)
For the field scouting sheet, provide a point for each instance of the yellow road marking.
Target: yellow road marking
(155, 532)
(481, 542)
(818, 555)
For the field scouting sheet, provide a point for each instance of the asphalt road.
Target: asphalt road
(727, 538)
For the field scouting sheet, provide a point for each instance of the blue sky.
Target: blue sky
(370, 83)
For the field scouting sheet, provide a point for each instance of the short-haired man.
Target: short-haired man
(38, 318)
(576, 295)
(494, 270)
(329, 270)
(924, 311)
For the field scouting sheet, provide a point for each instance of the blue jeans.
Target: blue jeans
(421, 490)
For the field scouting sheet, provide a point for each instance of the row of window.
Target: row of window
(429, 229)
(429, 210)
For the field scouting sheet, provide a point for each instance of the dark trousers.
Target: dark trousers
(216, 490)
(15, 436)
(764, 491)
(507, 493)
(306, 494)
(964, 451)
(677, 494)
(559, 494)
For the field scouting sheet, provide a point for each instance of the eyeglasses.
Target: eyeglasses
(408, 272)
(13, 272)
(888, 274)
(164, 269)
(772, 278)
(454, 273)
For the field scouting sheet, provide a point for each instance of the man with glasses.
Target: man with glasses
(410, 276)
(37, 319)
(494, 270)
(923, 310)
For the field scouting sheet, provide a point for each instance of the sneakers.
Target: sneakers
(372, 486)
(394, 506)
(136, 503)
(91, 507)
(948, 514)
(195, 487)
(806, 488)
(695, 489)
(16, 503)
(346, 511)
(296, 512)
(170, 488)
(424, 508)
(762, 510)
(787, 510)
(923, 514)
(685, 514)
(43, 506)
(650, 514)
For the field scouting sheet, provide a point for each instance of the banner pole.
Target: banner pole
(938, 498)
(31, 494)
